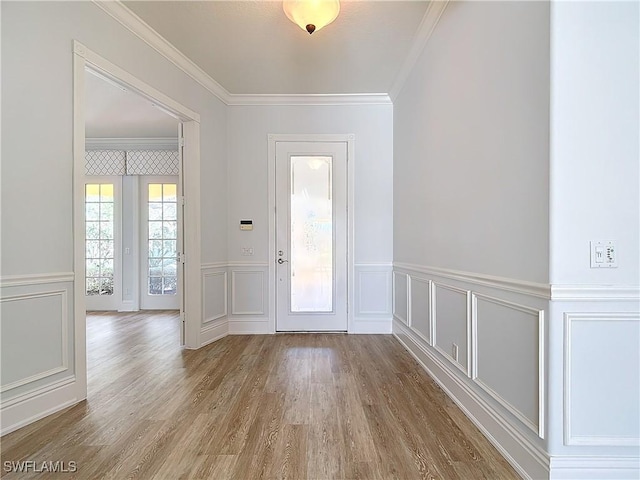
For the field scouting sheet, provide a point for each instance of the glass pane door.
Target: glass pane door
(311, 214)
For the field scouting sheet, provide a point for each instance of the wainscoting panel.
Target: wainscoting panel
(214, 296)
(35, 337)
(602, 376)
(249, 298)
(36, 350)
(248, 292)
(451, 325)
(400, 296)
(420, 313)
(373, 291)
(508, 346)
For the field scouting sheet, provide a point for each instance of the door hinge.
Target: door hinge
(182, 257)
(182, 200)
(181, 142)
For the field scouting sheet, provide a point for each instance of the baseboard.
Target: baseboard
(594, 468)
(527, 458)
(32, 406)
(257, 326)
(367, 326)
(212, 331)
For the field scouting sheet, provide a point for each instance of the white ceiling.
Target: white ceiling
(112, 112)
(251, 47)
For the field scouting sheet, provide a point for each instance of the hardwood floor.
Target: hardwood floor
(300, 406)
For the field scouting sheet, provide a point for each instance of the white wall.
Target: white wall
(37, 135)
(595, 195)
(471, 216)
(248, 129)
(471, 143)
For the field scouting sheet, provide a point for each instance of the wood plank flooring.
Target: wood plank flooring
(299, 406)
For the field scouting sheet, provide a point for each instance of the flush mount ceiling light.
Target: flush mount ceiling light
(311, 15)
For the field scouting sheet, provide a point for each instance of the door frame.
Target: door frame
(83, 59)
(349, 139)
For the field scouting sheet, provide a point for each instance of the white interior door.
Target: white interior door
(311, 236)
(159, 232)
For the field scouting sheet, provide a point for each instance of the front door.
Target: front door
(311, 236)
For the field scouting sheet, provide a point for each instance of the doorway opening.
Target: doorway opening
(154, 209)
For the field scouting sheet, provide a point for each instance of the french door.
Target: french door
(311, 236)
(160, 220)
(102, 243)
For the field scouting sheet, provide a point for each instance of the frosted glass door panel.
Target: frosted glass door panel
(312, 235)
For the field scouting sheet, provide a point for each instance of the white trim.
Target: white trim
(595, 292)
(537, 428)
(64, 327)
(349, 139)
(214, 331)
(310, 99)
(132, 83)
(7, 281)
(520, 452)
(592, 467)
(422, 36)
(371, 326)
(523, 287)
(235, 311)
(36, 404)
(164, 143)
(248, 264)
(206, 321)
(213, 265)
(147, 34)
(467, 295)
(250, 326)
(142, 30)
(569, 438)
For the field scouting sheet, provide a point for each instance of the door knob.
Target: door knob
(281, 261)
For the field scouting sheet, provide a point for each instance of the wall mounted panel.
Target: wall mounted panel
(602, 377)
(508, 346)
(451, 325)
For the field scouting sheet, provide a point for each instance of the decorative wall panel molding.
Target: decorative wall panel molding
(600, 293)
(7, 281)
(42, 318)
(214, 296)
(161, 143)
(420, 312)
(373, 291)
(452, 324)
(508, 357)
(602, 376)
(248, 292)
(401, 288)
(539, 290)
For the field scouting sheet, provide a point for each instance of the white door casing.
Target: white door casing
(311, 236)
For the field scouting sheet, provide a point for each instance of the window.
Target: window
(163, 238)
(99, 241)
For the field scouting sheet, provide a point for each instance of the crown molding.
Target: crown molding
(162, 143)
(146, 33)
(312, 99)
(431, 17)
(143, 30)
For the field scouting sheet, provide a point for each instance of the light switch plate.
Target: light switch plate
(604, 254)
